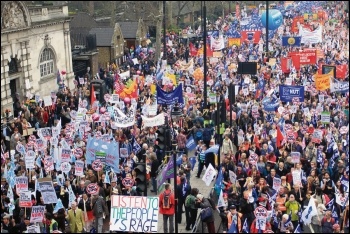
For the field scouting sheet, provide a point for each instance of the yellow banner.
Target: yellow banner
(323, 81)
(234, 41)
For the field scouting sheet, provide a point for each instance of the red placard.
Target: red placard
(306, 56)
(92, 189)
(248, 36)
(341, 71)
(285, 64)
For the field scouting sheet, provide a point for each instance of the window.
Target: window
(46, 62)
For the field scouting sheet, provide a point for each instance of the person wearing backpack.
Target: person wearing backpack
(204, 204)
(327, 222)
(207, 135)
(190, 204)
(167, 208)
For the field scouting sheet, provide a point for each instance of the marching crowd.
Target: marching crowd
(270, 163)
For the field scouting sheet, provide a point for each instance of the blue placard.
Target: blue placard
(288, 92)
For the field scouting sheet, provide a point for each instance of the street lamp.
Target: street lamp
(175, 115)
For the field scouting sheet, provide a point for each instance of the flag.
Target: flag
(233, 228)
(93, 95)
(221, 201)
(209, 174)
(298, 229)
(58, 206)
(335, 214)
(309, 211)
(107, 179)
(245, 228)
(193, 162)
(279, 137)
(291, 41)
(303, 145)
(330, 204)
(218, 182)
(58, 77)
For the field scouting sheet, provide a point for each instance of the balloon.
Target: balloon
(102, 110)
(138, 72)
(275, 19)
(95, 117)
(63, 72)
(127, 100)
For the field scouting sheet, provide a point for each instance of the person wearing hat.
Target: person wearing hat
(7, 224)
(234, 216)
(112, 189)
(203, 203)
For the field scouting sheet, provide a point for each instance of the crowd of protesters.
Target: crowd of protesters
(323, 166)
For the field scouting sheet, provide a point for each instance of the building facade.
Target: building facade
(35, 44)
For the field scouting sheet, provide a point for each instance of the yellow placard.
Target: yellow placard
(234, 41)
(323, 82)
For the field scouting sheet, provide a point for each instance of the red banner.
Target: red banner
(296, 61)
(285, 64)
(306, 56)
(296, 19)
(341, 71)
(247, 36)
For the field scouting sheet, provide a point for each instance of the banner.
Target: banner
(291, 41)
(25, 199)
(126, 121)
(37, 214)
(21, 184)
(323, 82)
(341, 71)
(310, 37)
(47, 190)
(190, 145)
(170, 98)
(166, 173)
(295, 157)
(134, 214)
(286, 63)
(276, 183)
(305, 57)
(30, 159)
(217, 43)
(210, 172)
(325, 117)
(250, 36)
(112, 157)
(154, 121)
(339, 86)
(296, 20)
(288, 92)
(234, 41)
(79, 168)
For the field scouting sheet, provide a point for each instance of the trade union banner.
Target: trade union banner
(288, 92)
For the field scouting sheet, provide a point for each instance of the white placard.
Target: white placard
(47, 100)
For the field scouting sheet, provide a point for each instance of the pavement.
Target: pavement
(195, 183)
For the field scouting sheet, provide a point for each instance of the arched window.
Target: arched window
(46, 62)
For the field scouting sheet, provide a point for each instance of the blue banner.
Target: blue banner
(288, 92)
(270, 104)
(190, 145)
(339, 86)
(291, 41)
(170, 98)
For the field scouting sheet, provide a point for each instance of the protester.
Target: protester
(288, 147)
(167, 208)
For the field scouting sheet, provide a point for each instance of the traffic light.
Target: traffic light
(141, 183)
(161, 138)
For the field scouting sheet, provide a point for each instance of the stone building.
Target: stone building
(35, 44)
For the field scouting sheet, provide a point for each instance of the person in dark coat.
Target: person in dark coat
(182, 190)
(247, 208)
(154, 168)
(203, 203)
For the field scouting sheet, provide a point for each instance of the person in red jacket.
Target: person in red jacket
(167, 208)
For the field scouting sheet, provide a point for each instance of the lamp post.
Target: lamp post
(164, 32)
(204, 18)
(267, 27)
(175, 114)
